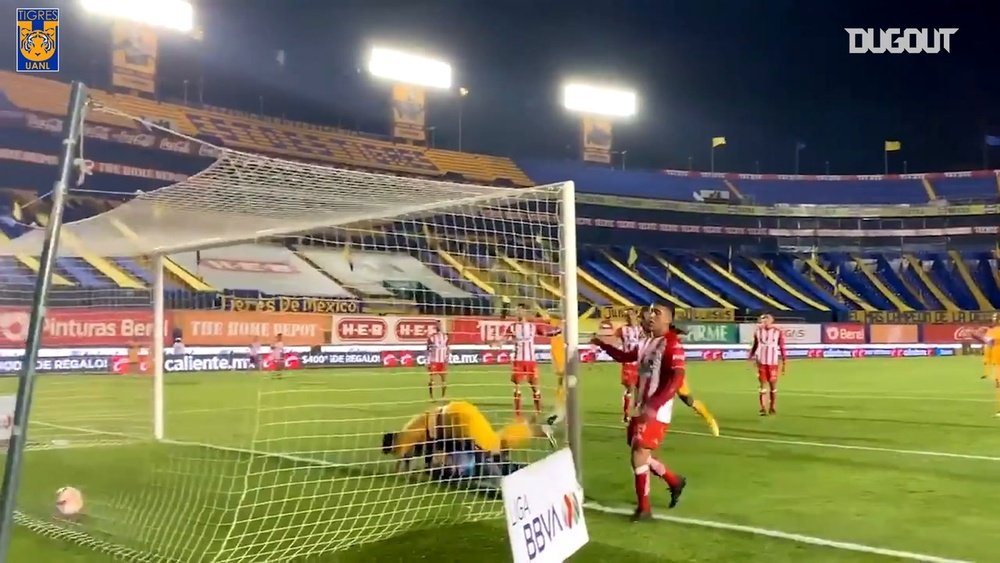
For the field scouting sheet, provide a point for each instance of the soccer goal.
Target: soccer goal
(190, 441)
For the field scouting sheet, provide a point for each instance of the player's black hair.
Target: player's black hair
(388, 440)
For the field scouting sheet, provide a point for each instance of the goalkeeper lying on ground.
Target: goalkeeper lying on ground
(457, 441)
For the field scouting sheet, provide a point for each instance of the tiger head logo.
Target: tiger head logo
(38, 44)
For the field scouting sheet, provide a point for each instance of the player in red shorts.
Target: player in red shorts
(525, 366)
(629, 336)
(768, 352)
(437, 360)
(660, 362)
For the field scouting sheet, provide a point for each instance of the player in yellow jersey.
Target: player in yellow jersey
(684, 392)
(988, 349)
(459, 430)
(558, 343)
(991, 356)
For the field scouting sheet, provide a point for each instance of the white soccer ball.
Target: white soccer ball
(69, 501)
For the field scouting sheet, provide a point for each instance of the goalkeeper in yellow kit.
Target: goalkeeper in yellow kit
(991, 356)
(457, 441)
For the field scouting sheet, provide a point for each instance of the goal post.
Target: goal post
(243, 464)
(49, 249)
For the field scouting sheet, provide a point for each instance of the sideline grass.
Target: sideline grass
(798, 472)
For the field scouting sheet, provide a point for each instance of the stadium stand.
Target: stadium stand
(380, 274)
(271, 136)
(629, 270)
(271, 269)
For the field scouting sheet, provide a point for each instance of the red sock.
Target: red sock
(642, 488)
(774, 397)
(536, 395)
(626, 402)
(662, 471)
(517, 402)
(760, 397)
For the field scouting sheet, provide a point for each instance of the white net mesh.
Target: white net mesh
(354, 271)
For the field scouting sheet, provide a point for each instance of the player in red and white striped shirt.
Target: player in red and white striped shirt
(661, 370)
(278, 355)
(525, 366)
(437, 359)
(768, 352)
(684, 392)
(629, 336)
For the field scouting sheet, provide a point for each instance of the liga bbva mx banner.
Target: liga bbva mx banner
(409, 109)
(596, 140)
(133, 57)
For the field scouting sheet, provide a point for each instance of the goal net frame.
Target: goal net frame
(31, 242)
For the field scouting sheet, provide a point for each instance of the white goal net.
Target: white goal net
(262, 457)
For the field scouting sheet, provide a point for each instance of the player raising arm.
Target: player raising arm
(684, 393)
(768, 352)
(437, 359)
(661, 373)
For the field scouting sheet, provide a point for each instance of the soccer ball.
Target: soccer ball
(69, 501)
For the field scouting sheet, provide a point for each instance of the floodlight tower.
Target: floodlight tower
(177, 15)
(598, 106)
(411, 75)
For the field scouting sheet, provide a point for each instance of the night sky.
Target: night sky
(765, 74)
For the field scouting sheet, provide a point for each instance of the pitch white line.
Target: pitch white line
(800, 538)
(942, 397)
(724, 436)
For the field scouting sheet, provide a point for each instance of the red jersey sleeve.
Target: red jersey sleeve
(672, 370)
(619, 355)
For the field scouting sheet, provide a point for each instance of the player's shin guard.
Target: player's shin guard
(517, 402)
(762, 394)
(663, 472)
(536, 396)
(626, 402)
(642, 488)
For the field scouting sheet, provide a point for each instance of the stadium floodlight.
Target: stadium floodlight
(177, 15)
(409, 68)
(599, 100)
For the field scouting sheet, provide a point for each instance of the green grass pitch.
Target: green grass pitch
(893, 454)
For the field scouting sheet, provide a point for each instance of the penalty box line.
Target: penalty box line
(829, 445)
(778, 534)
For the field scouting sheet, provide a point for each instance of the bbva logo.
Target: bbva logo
(895, 40)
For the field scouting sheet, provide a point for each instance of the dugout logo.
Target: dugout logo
(894, 40)
(37, 36)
